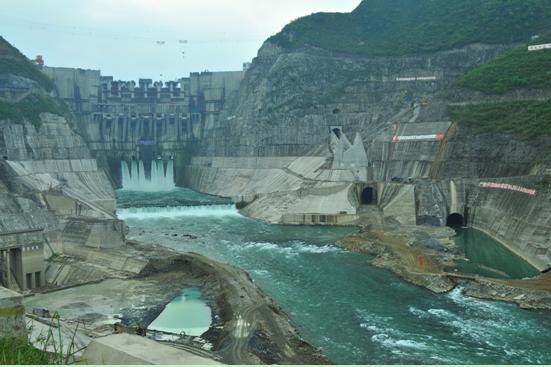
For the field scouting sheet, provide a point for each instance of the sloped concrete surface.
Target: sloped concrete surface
(123, 349)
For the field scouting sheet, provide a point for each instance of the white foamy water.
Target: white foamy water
(293, 248)
(177, 212)
(134, 179)
(482, 322)
(389, 336)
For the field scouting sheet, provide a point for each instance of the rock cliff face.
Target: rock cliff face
(289, 99)
(48, 176)
(281, 145)
(292, 103)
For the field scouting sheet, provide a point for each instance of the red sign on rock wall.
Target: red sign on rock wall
(504, 186)
(418, 137)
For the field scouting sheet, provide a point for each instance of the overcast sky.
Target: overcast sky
(120, 37)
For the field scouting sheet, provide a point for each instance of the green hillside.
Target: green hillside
(14, 62)
(30, 108)
(526, 119)
(400, 27)
(515, 70)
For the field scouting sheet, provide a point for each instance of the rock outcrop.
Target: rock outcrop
(48, 176)
(421, 163)
(278, 145)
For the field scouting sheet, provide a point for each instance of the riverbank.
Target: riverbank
(424, 255)
(355, 313)
(251, 328)
(248, 327)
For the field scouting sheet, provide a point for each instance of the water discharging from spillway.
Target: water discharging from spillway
(134, 178)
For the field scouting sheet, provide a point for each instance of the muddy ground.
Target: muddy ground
(420, 255)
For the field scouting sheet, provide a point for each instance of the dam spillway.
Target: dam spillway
(134, 177)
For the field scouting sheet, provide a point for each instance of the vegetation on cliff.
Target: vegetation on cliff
(12, 61)
(30, 108)
(400, 27)
(517, 69)
(526, 119)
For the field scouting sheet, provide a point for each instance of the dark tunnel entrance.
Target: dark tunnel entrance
(368, 196)
(455, 220)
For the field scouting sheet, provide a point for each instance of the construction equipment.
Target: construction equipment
(38, 61)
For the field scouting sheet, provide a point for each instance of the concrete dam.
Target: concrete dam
(417, 170)
(334, 201)
(145, 121)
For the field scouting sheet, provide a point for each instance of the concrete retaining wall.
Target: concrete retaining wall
(522, 222)
(320, 219)
(12, 314)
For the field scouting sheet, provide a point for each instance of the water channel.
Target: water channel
(354, 312)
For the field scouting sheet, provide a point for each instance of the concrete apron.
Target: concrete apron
(132, 349)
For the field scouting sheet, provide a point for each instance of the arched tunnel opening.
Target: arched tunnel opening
(368, 196)
(455, 220)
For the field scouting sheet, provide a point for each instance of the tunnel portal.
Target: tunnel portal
(455, 220)
(368, 196)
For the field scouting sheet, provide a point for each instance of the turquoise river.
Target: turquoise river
(354, 312)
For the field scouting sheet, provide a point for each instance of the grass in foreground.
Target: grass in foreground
(48, 347)
(20, 351)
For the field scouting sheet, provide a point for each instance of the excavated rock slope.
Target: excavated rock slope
(415, 120)
(47, 172)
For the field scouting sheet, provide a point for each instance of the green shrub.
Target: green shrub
(30, 109)
(27, 70)
(526, 119)
(517, 69)
(12, 61)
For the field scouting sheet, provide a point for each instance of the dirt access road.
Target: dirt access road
(248, 327)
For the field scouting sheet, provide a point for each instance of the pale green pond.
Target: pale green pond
(187, 313)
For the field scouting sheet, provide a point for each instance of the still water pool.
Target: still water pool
(354, 312)
(489, 258)
(187, 313)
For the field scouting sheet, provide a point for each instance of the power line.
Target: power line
(79, 31)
